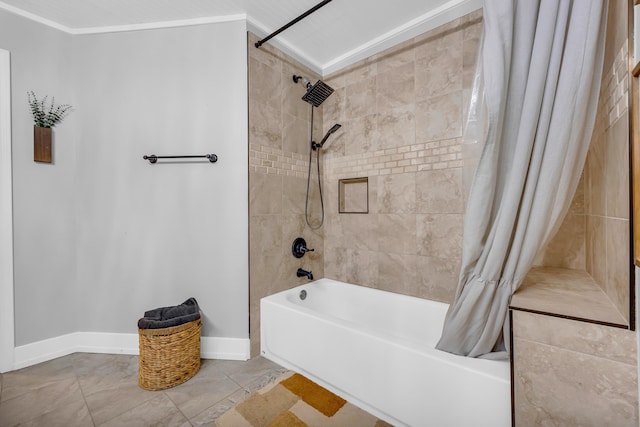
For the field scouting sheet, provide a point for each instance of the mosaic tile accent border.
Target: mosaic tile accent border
(434, 155)
(443, 154)
(269, 160)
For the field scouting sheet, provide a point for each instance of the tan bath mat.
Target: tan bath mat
(296, 401)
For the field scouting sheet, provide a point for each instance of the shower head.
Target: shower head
(334, 128)
(317, 93)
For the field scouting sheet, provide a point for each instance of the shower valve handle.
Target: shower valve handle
(299, 248)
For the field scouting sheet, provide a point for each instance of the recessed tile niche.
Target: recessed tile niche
(353, 195)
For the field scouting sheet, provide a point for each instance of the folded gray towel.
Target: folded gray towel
(166, 317)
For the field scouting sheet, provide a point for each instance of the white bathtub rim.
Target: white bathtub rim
(498, 369)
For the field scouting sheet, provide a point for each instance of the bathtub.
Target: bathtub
(376, 349)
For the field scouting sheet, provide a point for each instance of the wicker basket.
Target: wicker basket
(169, 356)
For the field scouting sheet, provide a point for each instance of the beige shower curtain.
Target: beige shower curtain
(542, 63)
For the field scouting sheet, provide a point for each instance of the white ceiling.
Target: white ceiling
(338, 34)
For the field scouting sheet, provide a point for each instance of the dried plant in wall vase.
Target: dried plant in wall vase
(44, 118)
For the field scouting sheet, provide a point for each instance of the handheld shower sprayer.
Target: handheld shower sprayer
(315, 95)
(316, 145)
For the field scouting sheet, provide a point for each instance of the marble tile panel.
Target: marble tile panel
(577, 203)
(440, 41)
(41, 401)
(595, 186)
(334, 108)
(617, 170)
(437, 278)
(22, 381)
(210, 385)
(554, 386)
(159, 411)
(331, 197)
(438, 80)
(265, 272)
(439, 75)
(361, 98)
(439, 191)
(397, 273)
(294, 191)
(589, 338)
(617, 287)
(396, 127)
(335, 262)
(333, 234)
(362, 267)
(596, 248)
(397, 193)
(396, 57)
(565, 292)
(254, 326)
(337, 79)
(471, 25)
(265, 124)
(361, 231)
(362, 135)
(361, 70)
(470, 52)
(295, 135)
(396, 233)
(439, 118)
(265, 194)
(265, 235)
(396, 87)
(440, 235)
(567, 248)
(265, 83)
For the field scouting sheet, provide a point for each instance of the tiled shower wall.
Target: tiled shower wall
(278, 159)
(402, 115)
(607, 197)
(595, 235)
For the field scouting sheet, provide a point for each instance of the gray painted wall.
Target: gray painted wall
(154, 235)
(102, 235)
(44, 215)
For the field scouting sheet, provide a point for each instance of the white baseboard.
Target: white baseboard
(101, 342)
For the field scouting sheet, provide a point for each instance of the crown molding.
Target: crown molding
(122, 28)
(447, 12)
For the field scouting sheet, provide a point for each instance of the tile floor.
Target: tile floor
(102, 390)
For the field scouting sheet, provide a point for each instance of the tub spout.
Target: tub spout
(302, 273)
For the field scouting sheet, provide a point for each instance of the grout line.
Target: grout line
(178, 407)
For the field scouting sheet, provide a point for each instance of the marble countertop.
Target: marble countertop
(566, 293)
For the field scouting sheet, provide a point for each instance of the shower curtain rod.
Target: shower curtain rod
(295, 21)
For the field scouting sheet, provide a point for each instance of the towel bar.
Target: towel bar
(153, 158)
